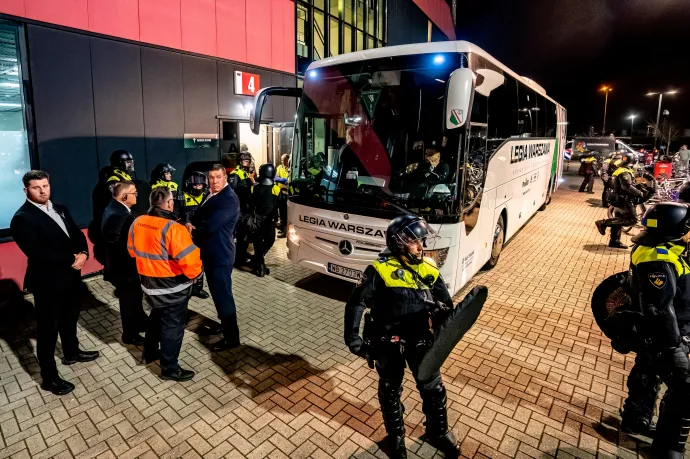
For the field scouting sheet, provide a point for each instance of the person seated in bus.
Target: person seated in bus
(433, 170)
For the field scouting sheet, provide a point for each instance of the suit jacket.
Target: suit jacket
(49, 250)
(215, 222)
(119, 266)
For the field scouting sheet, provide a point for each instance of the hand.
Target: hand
(189, 227)
(79, 260)
(358, 348)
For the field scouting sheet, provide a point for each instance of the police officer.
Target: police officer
(626, 197)
(588, 168)
(121, 167)
(240, 180)
(194, 194)
(607, 169)
(661, 292)
(401, 289)
(259, 228)
(282, 174)
(161, 177)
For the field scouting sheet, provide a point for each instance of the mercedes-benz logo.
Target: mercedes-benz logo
(345, 247)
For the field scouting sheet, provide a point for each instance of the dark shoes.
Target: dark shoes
(590, 192)
(394, 447)
(81, 356)
(203, 294)
(637, 426)
(58, 386)
(447, 444)
(178, 375)
(601, 227)
(136, 340)
(282, 234)
(225, 345)
(617, 245)
(261, 271)
(150, 356)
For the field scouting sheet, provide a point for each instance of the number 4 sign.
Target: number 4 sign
(247, 84)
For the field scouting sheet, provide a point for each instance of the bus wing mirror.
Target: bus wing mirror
(260, 100)
(459, 98)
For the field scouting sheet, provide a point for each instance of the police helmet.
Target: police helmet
(267, 172)
(684, 193)
(664, 222)
(123, 160)
(244, 156)
(404, 230)
(197, 178)
(159, 172)
(627, 159)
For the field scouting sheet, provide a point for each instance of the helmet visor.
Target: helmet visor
(197, 179)
(418, 230)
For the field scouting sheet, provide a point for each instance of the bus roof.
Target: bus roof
(424, 48)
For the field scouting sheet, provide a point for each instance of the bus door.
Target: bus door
(475, 229)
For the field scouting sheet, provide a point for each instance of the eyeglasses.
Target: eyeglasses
(136, 193)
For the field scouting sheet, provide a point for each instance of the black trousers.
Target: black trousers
(57, 312)
(588, 182)
(643, 388)
(624, 215)
(263, 241)
(166, 327)
(282, 211)
(132, 312)
(605, 194)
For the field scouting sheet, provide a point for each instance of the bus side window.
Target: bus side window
(503, 113)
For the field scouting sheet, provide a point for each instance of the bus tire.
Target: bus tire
(497, 245)
(548, 197)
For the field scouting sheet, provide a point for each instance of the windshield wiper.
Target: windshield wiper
(380, 195)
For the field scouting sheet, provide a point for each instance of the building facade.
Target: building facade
(171, 81)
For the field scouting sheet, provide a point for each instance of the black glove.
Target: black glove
(358, 347)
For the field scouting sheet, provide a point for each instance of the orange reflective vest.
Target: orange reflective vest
(167, 260)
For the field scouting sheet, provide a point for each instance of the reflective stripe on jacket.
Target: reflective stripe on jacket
(172, 186)
(119, 176)
(670, 253)
(167, 260)
(396, 275)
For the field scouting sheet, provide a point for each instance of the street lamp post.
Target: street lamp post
(658, 111)
(607, 90)
(632, 123)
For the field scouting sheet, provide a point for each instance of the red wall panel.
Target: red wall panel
(276, 19)
(159, 22)
(119, 18)
(70, 13)
(439, 13)
(231, 30)
(288, 47)
(199, 26)
(13, 7)
(259, 40)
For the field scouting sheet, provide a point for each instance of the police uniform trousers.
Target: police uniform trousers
(263, 241)
(57, 312)
(606, 194)
(219, 279)
(588, 182)
(624, 215)
(390, 365)
(282, 210)
(166, 327)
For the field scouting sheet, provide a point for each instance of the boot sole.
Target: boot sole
(170, 378)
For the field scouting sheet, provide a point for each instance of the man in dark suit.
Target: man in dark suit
(56, 250)
(212, 229)
(120, 269)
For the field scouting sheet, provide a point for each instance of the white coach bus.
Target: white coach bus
(442, 130)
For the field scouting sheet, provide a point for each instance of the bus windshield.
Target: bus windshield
(369, 136)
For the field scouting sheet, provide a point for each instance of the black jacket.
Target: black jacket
(215, 221)
(119, 266)
(49, 250)
(263, 202)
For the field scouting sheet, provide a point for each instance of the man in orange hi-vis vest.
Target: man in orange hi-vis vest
(167, 262)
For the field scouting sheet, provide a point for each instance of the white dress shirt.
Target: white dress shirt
(213, 194)
(49, 209)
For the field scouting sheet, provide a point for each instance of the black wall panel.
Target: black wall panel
(278, 102)
(289, 103)
(163, 109)
(200, 78)
(266, 80)
(116, 70)
(63, 104)
(227, 106)
(406, 23)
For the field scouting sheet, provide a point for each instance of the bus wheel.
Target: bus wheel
(497, 246)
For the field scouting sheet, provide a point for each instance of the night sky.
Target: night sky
(572, 47)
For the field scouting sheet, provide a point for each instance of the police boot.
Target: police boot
(674, 424)
(434, 407)
(392, 410)
(617, 245)
(261, 270)
(638, 408)
(601, 226)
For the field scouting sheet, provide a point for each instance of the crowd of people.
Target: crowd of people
(156, 241)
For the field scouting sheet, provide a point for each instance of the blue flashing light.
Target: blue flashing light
(313, 73)
(439, 59)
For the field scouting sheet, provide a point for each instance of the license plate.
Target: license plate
(345, 272)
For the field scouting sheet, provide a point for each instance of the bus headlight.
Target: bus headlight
(439, 256)
(292, 234)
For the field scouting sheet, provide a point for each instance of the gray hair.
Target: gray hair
(160, 197)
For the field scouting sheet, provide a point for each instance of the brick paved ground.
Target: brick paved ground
(534, 378)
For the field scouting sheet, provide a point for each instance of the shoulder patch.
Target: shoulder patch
(362, 280)
(658, 280)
